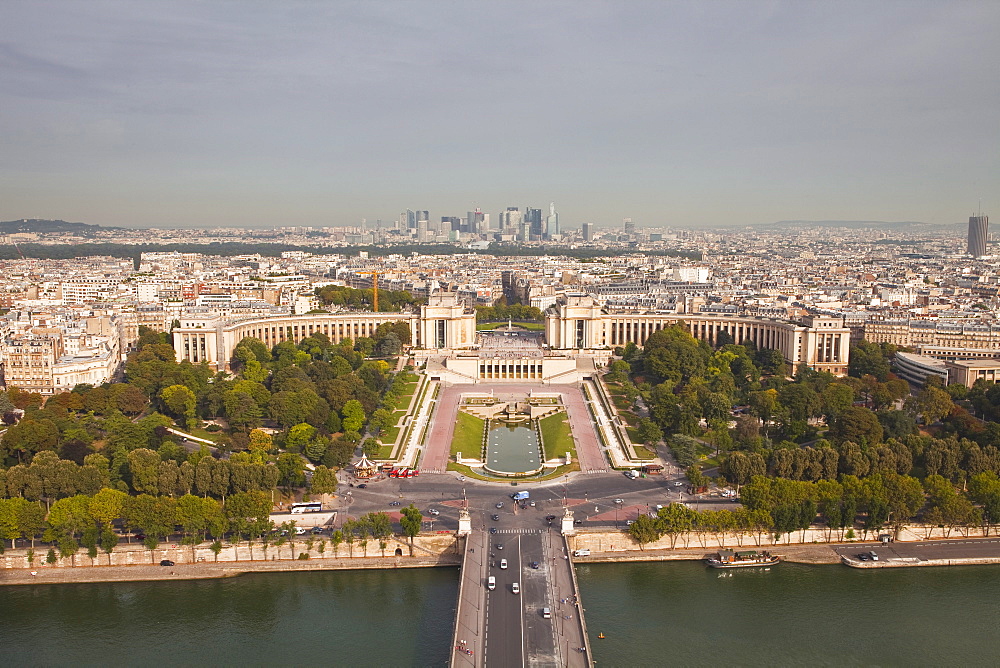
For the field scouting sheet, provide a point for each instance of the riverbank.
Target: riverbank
(799, 554)
(614, 547)
(135, 563)
(206, 570)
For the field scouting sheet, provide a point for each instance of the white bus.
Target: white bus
(307, 507)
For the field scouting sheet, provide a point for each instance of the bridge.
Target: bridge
(497, 627)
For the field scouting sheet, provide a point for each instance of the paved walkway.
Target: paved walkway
(470, 617)
(567, 612)
(438, 445)
(588, 447)
(222, 569)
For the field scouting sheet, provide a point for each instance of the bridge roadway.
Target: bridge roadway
(502, 629)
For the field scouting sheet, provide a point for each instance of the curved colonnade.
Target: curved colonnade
(576, 323)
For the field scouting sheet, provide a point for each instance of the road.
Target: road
(955, 548)
(591, 497)
(504, 609)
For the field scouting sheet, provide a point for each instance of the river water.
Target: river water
(652, 614)
(684, 614)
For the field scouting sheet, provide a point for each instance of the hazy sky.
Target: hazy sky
(673, 113)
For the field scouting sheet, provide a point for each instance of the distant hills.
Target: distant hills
(37, 226)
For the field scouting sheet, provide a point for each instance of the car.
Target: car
(362, 486)
(434, 512)
(515, 588)
(166, 562)
(549, 518)
(584, 552)
(629, 523)
(493, 529)
(500, 505)
(864, 556)
(503, 564)
(317, 530)
(873, 555)
(499, 546)
(461, 478)
(630, 474)
(491, 583)
(619, 500)
(532, 504)
(534, 564)
(395, 503)
(678, 483)
(300, 531)
(495, 518)
(546, 613)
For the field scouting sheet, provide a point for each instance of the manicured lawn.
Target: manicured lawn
(621, 403)
(385, 452)
(642, 452)
(468, 438)
(201, 433)
(390, 435)
(406, 395)
(557, 439)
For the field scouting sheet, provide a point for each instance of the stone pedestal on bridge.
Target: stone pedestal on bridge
(568, 528)
(464, 522)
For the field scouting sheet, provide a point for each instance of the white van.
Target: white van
(581, 553)
(491, 583)
(515, 588)
(503, 564)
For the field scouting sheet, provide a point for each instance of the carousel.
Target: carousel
(364, 468)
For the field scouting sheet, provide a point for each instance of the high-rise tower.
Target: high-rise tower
(552, 222)
(978, 227)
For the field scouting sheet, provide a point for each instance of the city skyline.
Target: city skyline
(183, 114)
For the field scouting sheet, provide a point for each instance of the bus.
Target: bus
(307, 507)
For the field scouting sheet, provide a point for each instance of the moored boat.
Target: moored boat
(742, 559)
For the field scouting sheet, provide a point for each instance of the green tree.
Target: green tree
(180, 402)
(107, 506)
(411, 521)
(932, 403)
(109, 541)
(856, 424)
(324, 481)
(353, 415)
(644, 530)
(648, 432)
(291, 469)
(299, 437)
(675, 520)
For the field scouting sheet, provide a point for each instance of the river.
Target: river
(651, 614)
(684, 614)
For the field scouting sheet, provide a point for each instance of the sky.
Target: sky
(678, 114)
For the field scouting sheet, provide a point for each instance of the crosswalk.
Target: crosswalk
(520, 531)
(596, 471)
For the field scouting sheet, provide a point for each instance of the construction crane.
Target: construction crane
(374, 275)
